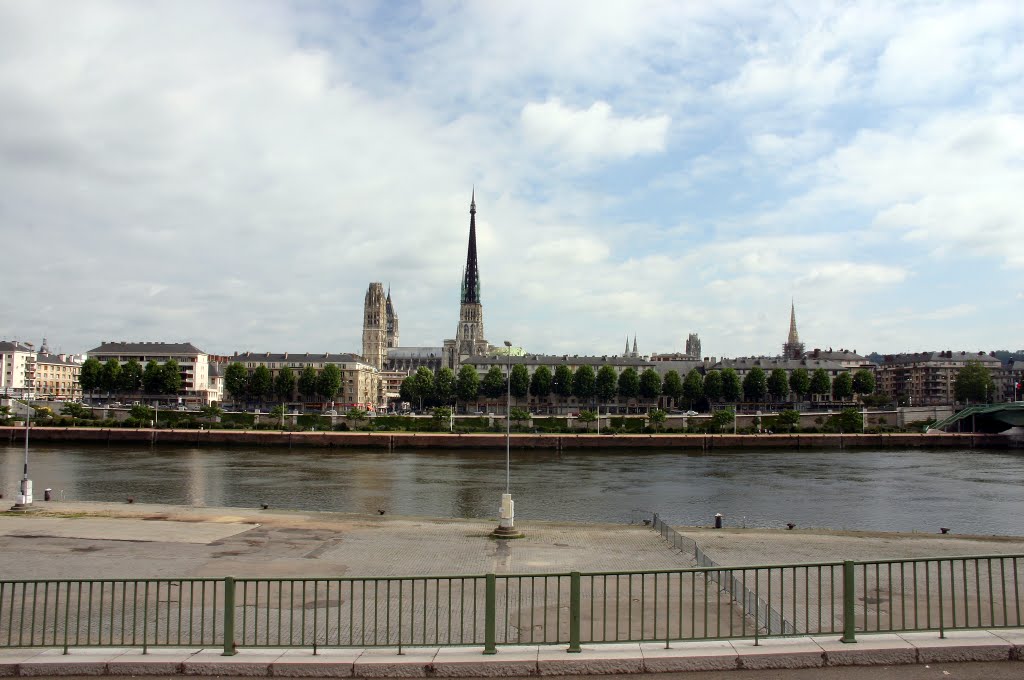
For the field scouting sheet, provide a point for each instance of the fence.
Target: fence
(707, 602)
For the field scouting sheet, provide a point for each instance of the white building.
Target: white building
(193, 363)
(17, 369)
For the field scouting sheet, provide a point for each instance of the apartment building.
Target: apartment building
(360, 380)
(17, 369)
(927, 378)
(193, 364)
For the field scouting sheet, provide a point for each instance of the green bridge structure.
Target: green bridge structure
(988, 418)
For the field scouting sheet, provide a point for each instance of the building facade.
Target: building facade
(469, 338)
(17, 369)
(380, 325)
(360, 380)
(693, 347)
(57, 376)
(928, 378)
(193, 364)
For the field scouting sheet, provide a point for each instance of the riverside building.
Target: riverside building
(193, 364)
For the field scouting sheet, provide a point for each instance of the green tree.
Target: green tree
(800, 382)
(261, 384)
(407, 390)
(820, 382)
(211, 411)
(442, 415)
(131, 376)
(588, 416)
(656, 418)
(629, 384)
(153, 377)
(519, 414)
(540, 383)
(520, 381)
(308, 383)
(787, 420)
(328, 383)
(143, 414)
(847, 420)
(74, 410)
(467, 385)
(863, 381)
(110, 378)
(713, 386)
(842, 386)
(672, 386)
(778, 384)
(973, 383)
(731, 387)
(284, 384)
(606, 384)
(755, 385)
(650, 384)
(445, 386)
(693, 387)
(493, 384)
(236, 380)
(172, 377)
(91, 375)
(561, 383)
(277, 413)
(721, 419)
(584, 383)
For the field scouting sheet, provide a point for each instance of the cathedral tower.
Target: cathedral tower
(792, 348)
(469, 335)
(375, 325)
(392, 324)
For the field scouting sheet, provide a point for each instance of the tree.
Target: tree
(520, 381)
(424, 385)
(650, 384)
(800, 382)
(713, 386)
(467, 385)
(847, 420)
(131, 376)
(261, 383)
(672, 386)
(445, 386)
(584, 383)
(277, 413)
(153, 378)
(493, 384)
(629, 384)
(778, 384)
(820, 382)
(74, 410)
(540, 383)
(328, 383)
(588, 417)
(863, 381)
(407, 390)
(172, 377)
(519, 414)
(606, 384)
(307, 383)
(693, 387)
(91, 375)
(973, 383)
(141, 413)
(721, 419)
(236, 380)
(731, 389)
(755, 385)
(284, 384)
(109, 379)
(561, 383)
(211, 411)
(442, 416)
(842, 386)
(656, 418)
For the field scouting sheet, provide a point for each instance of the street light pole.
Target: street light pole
(23, 501)
(506, 522)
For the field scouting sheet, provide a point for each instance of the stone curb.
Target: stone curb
(773, 653)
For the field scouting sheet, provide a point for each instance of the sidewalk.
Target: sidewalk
(470, 662)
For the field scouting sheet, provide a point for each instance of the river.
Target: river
(969, 491)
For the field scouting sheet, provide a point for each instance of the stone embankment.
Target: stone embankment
(558, 442)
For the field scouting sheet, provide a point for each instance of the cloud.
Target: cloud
(593, 133)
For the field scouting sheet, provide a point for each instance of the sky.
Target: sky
(235, 174)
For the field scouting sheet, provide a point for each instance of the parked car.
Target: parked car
(691, 413)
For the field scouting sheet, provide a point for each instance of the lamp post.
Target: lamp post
(23, 501)
(507, 514)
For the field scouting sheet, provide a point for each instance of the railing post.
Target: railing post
(942, 605)
(229, 617)
(574, 612)
(490, 615)
(849, 616)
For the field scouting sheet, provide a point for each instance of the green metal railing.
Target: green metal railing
(708, 602)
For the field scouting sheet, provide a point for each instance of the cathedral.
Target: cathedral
(469, 334)
(380, 325)
(792, 348)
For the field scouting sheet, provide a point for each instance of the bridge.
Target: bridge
(989, 418)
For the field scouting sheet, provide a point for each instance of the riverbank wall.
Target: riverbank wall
(558, 442)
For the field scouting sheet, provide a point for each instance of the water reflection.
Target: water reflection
(910, 490)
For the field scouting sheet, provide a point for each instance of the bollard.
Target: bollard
(718, 520)
(46, 494)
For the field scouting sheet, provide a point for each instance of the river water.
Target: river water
(978, 492)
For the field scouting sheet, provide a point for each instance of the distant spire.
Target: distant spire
(794, 338)
(635, 353)
(625, 352)
(471, 275)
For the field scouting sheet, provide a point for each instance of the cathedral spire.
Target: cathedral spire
(794, 338)
(792, 348)
(635, 353)
(471, 275)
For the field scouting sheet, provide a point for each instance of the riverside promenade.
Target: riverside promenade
(122, 541)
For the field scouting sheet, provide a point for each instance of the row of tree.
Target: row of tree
(262, 385)
(131, 377)
(444, 387)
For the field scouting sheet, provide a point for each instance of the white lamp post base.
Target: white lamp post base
(506, 522)
(23, 501)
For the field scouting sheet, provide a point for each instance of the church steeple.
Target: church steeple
(792, 348)
(471, 275)
(794, 338)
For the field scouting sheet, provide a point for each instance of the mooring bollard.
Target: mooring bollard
(46, 494)
(718, 520)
